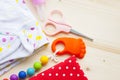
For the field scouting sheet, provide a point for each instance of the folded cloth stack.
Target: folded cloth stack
(20, 34)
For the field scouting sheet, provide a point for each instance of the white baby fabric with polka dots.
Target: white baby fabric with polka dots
(20, 33)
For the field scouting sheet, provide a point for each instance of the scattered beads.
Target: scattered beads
(30, 71)
(37, 65)
(22, 74)
(13, 77)
(44, 60)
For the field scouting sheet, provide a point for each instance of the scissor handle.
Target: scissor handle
(58, 12)
(59, 27)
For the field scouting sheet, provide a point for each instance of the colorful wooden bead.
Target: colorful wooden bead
(22, 74)
(37, 65)
(14, 77)
(44, 60)
(30, 71)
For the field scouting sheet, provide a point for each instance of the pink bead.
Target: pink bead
(38, 2)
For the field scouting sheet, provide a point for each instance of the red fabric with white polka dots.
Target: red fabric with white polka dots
(67, 70)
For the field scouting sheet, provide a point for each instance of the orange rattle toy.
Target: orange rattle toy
(72, 46)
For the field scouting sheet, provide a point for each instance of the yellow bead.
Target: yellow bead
(44, 60)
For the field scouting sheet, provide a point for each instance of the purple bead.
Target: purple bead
(14, 77)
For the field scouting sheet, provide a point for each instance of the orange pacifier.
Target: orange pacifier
(71, 46)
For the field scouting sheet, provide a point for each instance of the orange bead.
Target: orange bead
(5, 79)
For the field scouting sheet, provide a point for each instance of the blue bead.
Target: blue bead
(30, 71)
(22, 74)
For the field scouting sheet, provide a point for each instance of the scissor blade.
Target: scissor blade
(80, 34)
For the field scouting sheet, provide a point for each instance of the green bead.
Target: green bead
(37, 65)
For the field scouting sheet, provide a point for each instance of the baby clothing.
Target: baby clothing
(20, 33)
(9, 65)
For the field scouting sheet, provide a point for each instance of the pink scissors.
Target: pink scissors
(61, 26)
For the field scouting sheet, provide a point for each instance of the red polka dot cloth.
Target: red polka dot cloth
(67, 70)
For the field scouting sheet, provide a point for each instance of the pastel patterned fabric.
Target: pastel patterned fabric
(67, 70)
(20, 33)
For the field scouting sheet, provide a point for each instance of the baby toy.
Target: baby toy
(30, 71)
(72, 46)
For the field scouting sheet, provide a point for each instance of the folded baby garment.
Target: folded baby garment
(20, 33)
